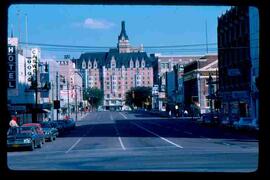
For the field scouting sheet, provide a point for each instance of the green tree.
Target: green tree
(94, 96)
(139, 96)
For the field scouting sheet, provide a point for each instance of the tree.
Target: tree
(94, 96)
(139, 96)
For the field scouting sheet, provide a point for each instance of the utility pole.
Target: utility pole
(57, 110)
(206, 38)
(76, 104)
(19, 29)
(26, 34)
(68, 97)
(35, 118)
(52, 101)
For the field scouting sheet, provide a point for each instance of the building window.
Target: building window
(143, 63)
(131, 64)
(108, 95)
(83, 64)
(137, 63)
(89, 65)
(119, 95)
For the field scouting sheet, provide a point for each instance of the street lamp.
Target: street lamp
(76, 100)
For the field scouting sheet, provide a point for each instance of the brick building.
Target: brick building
(234, 63)
(116, 71)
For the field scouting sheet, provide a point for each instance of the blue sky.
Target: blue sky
(99, 25)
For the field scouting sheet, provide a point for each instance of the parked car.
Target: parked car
(23, 137)
(38, 128)
(71, 123)
(255, 125)
(58, 126)
(50, 131)
(210, 118)
(227, 123)
(61, 126)
(244, 123)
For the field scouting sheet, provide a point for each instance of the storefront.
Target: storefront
(235, 104)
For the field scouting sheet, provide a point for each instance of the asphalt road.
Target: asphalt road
(138, 141)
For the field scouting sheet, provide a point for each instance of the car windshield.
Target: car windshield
(46, 125)
(19, 130)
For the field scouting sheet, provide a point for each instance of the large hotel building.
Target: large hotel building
(116, 71)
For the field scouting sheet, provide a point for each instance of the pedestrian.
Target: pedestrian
(13, 122)
(185, 113)
(170, 113)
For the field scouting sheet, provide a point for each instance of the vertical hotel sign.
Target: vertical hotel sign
(11, 69)
(31, 64)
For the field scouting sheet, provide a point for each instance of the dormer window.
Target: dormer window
(137, 63)
(131, 64)
(95, 64)
(89, 65)
(143, 63)
(113, 63)
(83, 64)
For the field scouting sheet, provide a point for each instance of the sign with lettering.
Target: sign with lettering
(11, 69)
(31, 64)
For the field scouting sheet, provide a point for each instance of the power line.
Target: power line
(109, 47)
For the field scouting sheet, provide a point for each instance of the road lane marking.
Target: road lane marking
(205, 137)
(75, 144)
(226, 144)
(157, 135)
(118, 134)
(123, 115)
(188, 132)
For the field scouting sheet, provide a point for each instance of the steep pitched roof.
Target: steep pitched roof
(98, 56)
(104, 58)
(123, 32)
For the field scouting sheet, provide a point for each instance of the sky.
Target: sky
(100, 25)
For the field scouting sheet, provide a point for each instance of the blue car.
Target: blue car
(23, 137)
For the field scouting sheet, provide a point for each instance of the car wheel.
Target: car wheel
(51, 139)
(40, 144)
(32, 147)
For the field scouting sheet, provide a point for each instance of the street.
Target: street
(139, 141)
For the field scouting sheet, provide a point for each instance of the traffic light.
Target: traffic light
(56, 104)
(217, 104)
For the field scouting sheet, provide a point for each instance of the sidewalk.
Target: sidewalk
(79, 116)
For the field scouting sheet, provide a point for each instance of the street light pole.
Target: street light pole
(76, 106)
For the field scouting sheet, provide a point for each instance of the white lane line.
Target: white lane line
(123, 115)
(157, 135)
(119, 138)
(75, 144)
(188, 132)
(205, 137)
(226, 144)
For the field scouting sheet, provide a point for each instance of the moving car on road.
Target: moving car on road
(23, 137)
